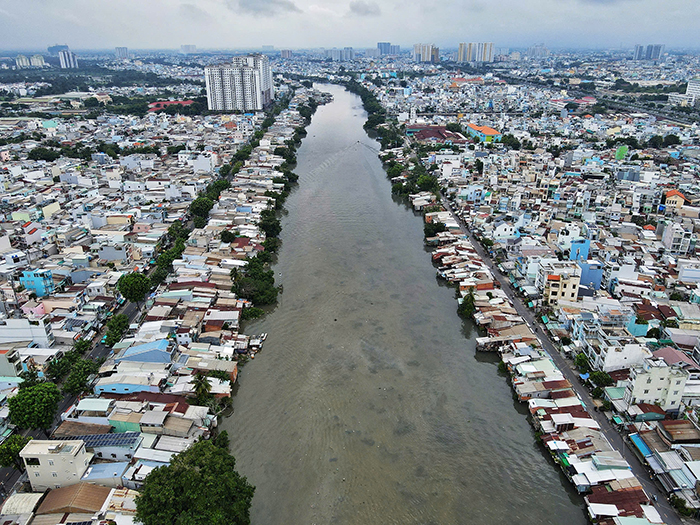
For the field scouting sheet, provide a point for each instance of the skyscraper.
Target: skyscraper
(286, 53)
(384, 48)
(245, 84)
(21, 61)
(68, 59)
(538, 51)
(395, 49)
(37, 61)
(121, 53)
(639, 52)
(426, 53)
(475, 52)
(654, 51)
(188, 49)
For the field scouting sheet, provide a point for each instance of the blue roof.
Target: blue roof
(106, 470)
(641, 445)
(154, 352)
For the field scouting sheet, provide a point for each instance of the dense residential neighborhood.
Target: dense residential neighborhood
(562, 205)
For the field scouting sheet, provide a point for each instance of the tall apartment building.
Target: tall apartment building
(384, 48)
(37, 61)
(538, 51)
(654, 51)
(651, 52)
(426, 53)
(347, 53)
(693, 90)
(475, 52)
(21, 61)
(68, 59)
(244, 84)
(188, 49)
(121, 53)
(395, 49)
(286, 53)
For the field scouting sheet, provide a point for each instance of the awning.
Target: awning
(545, 319)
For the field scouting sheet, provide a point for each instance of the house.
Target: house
(656, 382)
(111, 447)
(675, 200)
(483, 133)
(55, 464)
(72, 503)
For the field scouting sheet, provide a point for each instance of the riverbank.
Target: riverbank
(557, 413)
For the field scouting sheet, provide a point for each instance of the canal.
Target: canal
(369, 403)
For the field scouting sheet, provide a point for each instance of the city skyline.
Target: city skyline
(226, 24)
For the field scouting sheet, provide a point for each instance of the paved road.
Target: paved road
(668, 514)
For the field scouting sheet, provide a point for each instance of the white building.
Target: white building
(68, 59)
(656, 382)
(678, 240)
(245, 84)
(558, 280)
(426, 53)
(35, 330)
(55, 464)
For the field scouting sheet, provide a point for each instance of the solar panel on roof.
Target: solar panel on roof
(124, 439)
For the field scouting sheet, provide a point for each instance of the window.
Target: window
(678, 382)
(673, 402)
(573, 294)
(36, 474)
(675, 392)
(32, 462)
(563, 285)
(51, 462)
(646, 391)
(648, 380)
(54, 474)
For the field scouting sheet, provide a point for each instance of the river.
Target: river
(369, 404)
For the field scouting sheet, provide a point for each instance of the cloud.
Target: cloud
(362, 8)
(194, 13)
(263, 7)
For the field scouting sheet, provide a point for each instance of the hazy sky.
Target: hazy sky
(230, 24)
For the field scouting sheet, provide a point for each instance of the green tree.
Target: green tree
(670, 323)
(134, 286)
(581, 362)
(269, 223)
(10, 449)
(81, 346)
(431, 229)
(200, 206)
(77, 381)
(202, 387)
(222, 440)
(228, 236)
(657, 141)
(601, 379)
(671, 140)
(653, 333)
(29, 378)
(200, 486)
(467, 307)
(35, 407)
